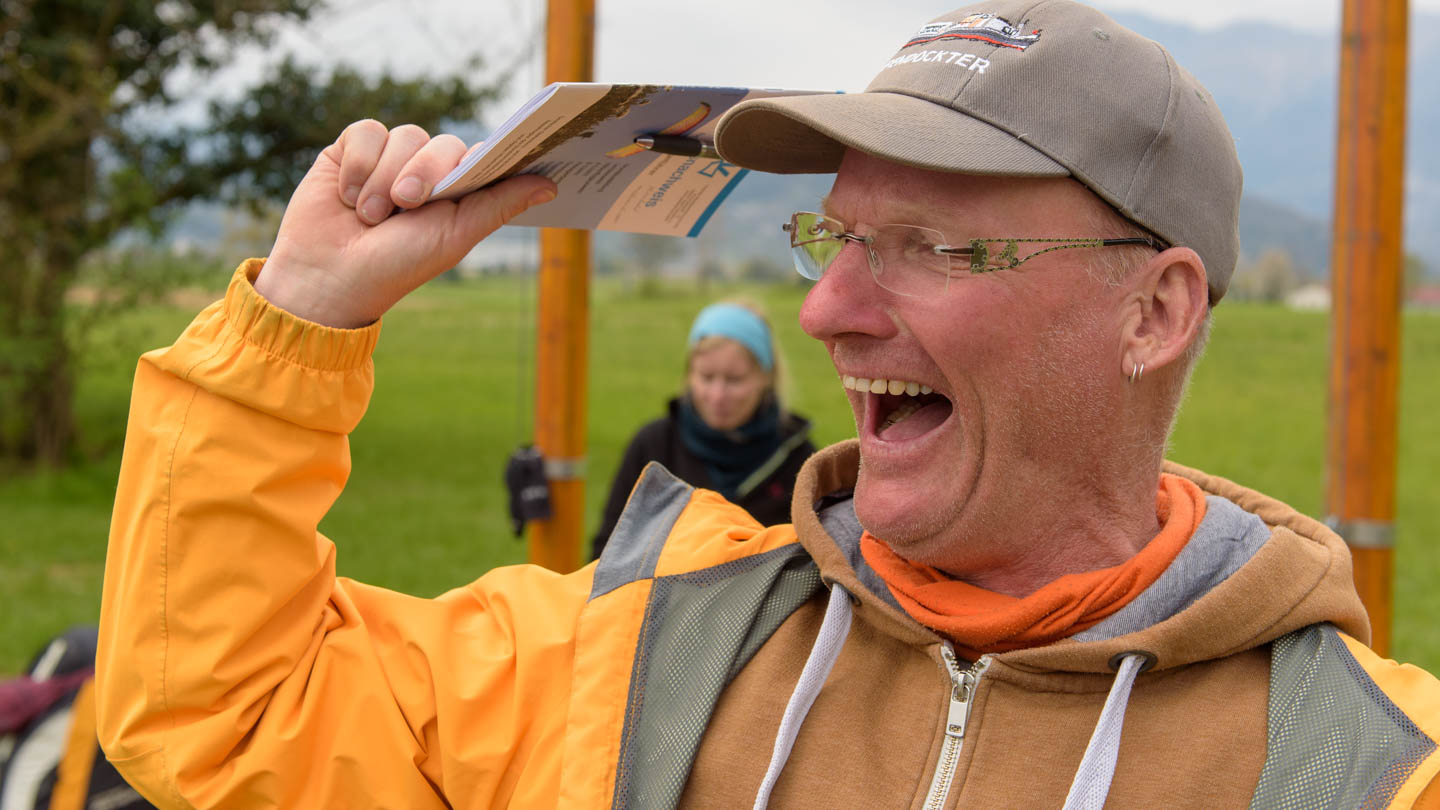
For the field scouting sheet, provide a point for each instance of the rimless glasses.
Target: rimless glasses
(916, 261)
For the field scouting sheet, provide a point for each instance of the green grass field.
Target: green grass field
(425, 509)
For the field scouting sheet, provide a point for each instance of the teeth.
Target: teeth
(898, 414)
(884, 386)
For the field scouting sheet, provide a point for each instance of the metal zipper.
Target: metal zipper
(962, 690)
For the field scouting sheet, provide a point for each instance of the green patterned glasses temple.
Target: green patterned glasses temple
(914, 260)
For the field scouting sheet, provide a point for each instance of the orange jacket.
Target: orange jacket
(236, 670)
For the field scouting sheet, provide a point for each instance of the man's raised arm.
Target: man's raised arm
(234, 669)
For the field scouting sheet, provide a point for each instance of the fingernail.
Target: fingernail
(375, 208)
(544, 195)
(409, 189)
(351, 195)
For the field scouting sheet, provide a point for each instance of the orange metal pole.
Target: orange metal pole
(562, 351)
(1366, 267)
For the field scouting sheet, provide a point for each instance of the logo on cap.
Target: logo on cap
(982, 27)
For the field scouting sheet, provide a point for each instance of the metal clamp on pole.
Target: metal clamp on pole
(565, 469)
(1362, 533)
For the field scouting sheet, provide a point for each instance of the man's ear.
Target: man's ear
(1169, 298)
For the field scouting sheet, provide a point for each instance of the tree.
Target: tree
(648, 254)
(89, 148)
(710, 270)
(765, 269)
(1269, 278)
(1416, 273)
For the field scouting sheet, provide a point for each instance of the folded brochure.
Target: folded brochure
(582, 136)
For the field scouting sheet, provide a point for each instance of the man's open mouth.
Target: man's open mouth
(902, 409)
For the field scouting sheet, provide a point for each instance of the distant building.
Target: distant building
(1310, 297)
(1424, 297)
(505, 252)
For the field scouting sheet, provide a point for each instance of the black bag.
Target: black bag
(529, 490)
(52, 759)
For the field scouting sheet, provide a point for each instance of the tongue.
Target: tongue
(918, 423)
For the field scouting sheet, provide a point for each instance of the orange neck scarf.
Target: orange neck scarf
(980, 621)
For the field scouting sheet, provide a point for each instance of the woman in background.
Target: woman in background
(727, 432)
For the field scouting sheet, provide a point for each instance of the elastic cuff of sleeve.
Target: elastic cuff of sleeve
(291, 337)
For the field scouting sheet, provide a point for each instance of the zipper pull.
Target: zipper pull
(962, 689)
(959, 707)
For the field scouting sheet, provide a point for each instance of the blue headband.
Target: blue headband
(740, 325)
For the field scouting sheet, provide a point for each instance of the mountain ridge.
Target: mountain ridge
(1277, 87)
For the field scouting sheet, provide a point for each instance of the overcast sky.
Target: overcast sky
(1314, 15)
(835, 45)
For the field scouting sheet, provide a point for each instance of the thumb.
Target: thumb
(483, 212)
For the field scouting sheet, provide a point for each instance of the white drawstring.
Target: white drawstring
(823, 654)
(1097, 768)
(1092, 780)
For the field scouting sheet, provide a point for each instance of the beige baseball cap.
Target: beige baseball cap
(1027, 88)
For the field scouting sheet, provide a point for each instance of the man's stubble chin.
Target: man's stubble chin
(925, 530)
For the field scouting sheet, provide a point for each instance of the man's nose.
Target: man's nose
(846, 300)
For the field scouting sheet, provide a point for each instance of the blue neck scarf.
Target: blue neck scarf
(730, 456)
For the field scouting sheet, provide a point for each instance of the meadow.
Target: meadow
(425, 509)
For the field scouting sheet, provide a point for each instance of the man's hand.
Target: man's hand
(342, 259)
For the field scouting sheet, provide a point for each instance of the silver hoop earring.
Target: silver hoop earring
(1136, 372)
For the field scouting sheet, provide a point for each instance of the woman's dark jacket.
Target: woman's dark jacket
(768, 499)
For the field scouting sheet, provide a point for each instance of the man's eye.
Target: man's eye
(916, 245)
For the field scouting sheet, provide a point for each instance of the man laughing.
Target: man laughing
(999, 595)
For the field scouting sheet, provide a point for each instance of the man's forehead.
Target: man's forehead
(877, 192)
(867, 206)
(869, 188)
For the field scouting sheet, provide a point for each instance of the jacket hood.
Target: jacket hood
(1298, 576)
